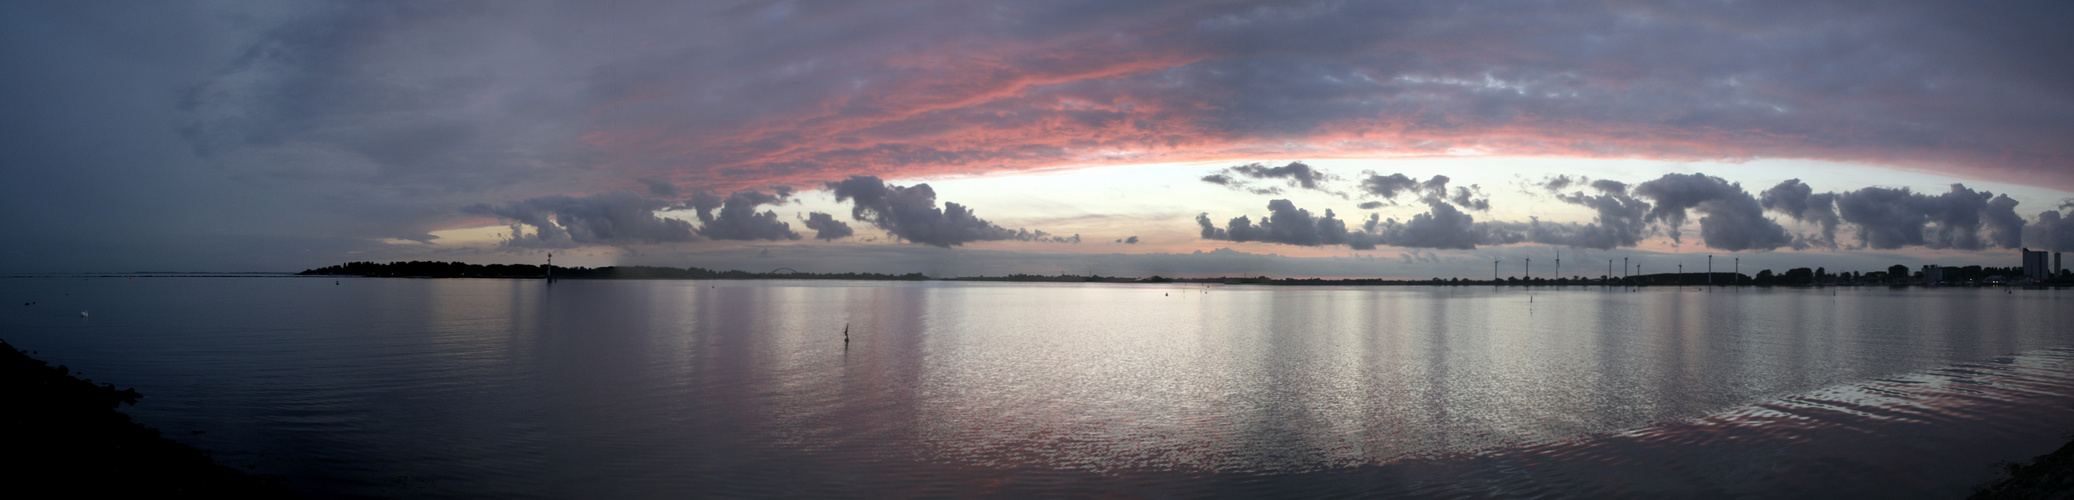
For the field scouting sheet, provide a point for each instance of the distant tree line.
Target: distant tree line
(430, 269)
(1894, 275)
(1801, 276)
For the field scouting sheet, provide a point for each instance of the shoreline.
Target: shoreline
(68, 433)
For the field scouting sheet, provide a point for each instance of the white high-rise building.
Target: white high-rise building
(1932, 273)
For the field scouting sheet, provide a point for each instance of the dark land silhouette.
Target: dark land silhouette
(66, 436)
(1895, 276)
(2047, 476)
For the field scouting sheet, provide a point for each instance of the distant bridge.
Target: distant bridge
(783, 270)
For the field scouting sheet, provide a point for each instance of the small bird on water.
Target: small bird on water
(82, 314)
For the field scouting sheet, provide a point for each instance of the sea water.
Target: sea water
(521, 388)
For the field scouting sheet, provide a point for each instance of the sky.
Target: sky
(1331, 139)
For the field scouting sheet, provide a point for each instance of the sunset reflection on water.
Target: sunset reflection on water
(648, 388)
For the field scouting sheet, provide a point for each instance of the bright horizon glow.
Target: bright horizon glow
(1104, 204)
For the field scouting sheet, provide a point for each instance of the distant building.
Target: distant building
(2035, 265)
(1932, 274)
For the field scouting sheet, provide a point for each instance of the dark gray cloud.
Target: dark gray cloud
(1129, 241)
(1619, 220)
(622, 218)
(703, 202)
(1296, 174)
(1730, 219)
(1800, 202)
(1560, 182)
(1286, 224)
(1431, 190)
(659, 187)
(1043, 237)
(1370, 205)
(2052, 231)
(826, 227)
(614, 218)
(1889, 218)
(1471, 197)
(910, 213)
(737, 218)
(1388, 186)
(1443, 226)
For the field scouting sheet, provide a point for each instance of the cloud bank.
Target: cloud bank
(910, 213)
(1729, 217)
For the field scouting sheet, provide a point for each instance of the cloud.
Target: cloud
(1730, 219)
(826, 227)
(963, 90)
(1131, 240)
(1388, 186)
(295, 119)
(1442, 226)
(1296, 174)
(1888, 218)
(1471, 197)
(739, 220)
(910, 213)
(2052, 231)
(1286, 224)
(1432, 190)
(1043, 237)
(659, 187)
(1620, 220)
(616, 218)
(1799, 201)
(622, 218)
(1559, 182)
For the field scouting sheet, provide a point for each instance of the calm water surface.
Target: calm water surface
(508, 388)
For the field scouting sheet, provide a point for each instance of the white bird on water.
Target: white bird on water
(82, 314)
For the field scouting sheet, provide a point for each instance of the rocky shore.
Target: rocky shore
(66, 438)
(2049, 476)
